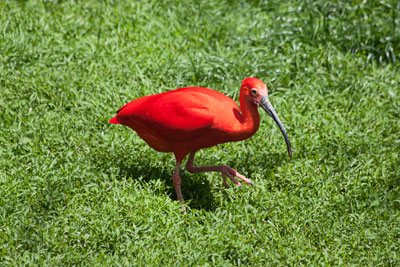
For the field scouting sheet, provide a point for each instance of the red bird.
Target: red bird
(185, 120)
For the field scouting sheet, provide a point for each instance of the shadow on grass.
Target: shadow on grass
(196, 189)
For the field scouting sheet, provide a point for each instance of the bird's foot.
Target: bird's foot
(229, 172)
(183, 209)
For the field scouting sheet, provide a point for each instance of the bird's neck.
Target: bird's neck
(250, 120)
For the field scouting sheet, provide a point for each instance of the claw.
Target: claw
(224, 180)
(231, 173)
(183, 209)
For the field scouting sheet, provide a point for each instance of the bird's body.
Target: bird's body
(185, 120)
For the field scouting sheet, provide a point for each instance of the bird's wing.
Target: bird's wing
(176, 115)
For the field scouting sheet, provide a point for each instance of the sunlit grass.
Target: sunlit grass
(75, 190)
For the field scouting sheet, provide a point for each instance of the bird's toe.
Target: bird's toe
(228, 171)
(233, 173)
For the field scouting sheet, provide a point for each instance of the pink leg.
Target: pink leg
(176, 178)
(226, 171)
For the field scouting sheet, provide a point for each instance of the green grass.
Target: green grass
(75, 190)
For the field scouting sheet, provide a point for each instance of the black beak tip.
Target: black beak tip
(289, 150)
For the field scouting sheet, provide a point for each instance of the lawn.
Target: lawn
(76, 190)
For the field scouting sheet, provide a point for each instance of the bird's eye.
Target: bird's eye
(254, 91)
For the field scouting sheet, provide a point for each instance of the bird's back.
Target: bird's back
(192, 117)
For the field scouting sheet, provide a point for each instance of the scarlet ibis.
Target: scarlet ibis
(185, 120)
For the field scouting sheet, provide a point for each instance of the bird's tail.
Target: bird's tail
(114, 120)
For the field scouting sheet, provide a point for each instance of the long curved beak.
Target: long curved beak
(266, 105)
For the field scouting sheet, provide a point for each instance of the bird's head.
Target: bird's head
(253, 90)
(256, 92)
